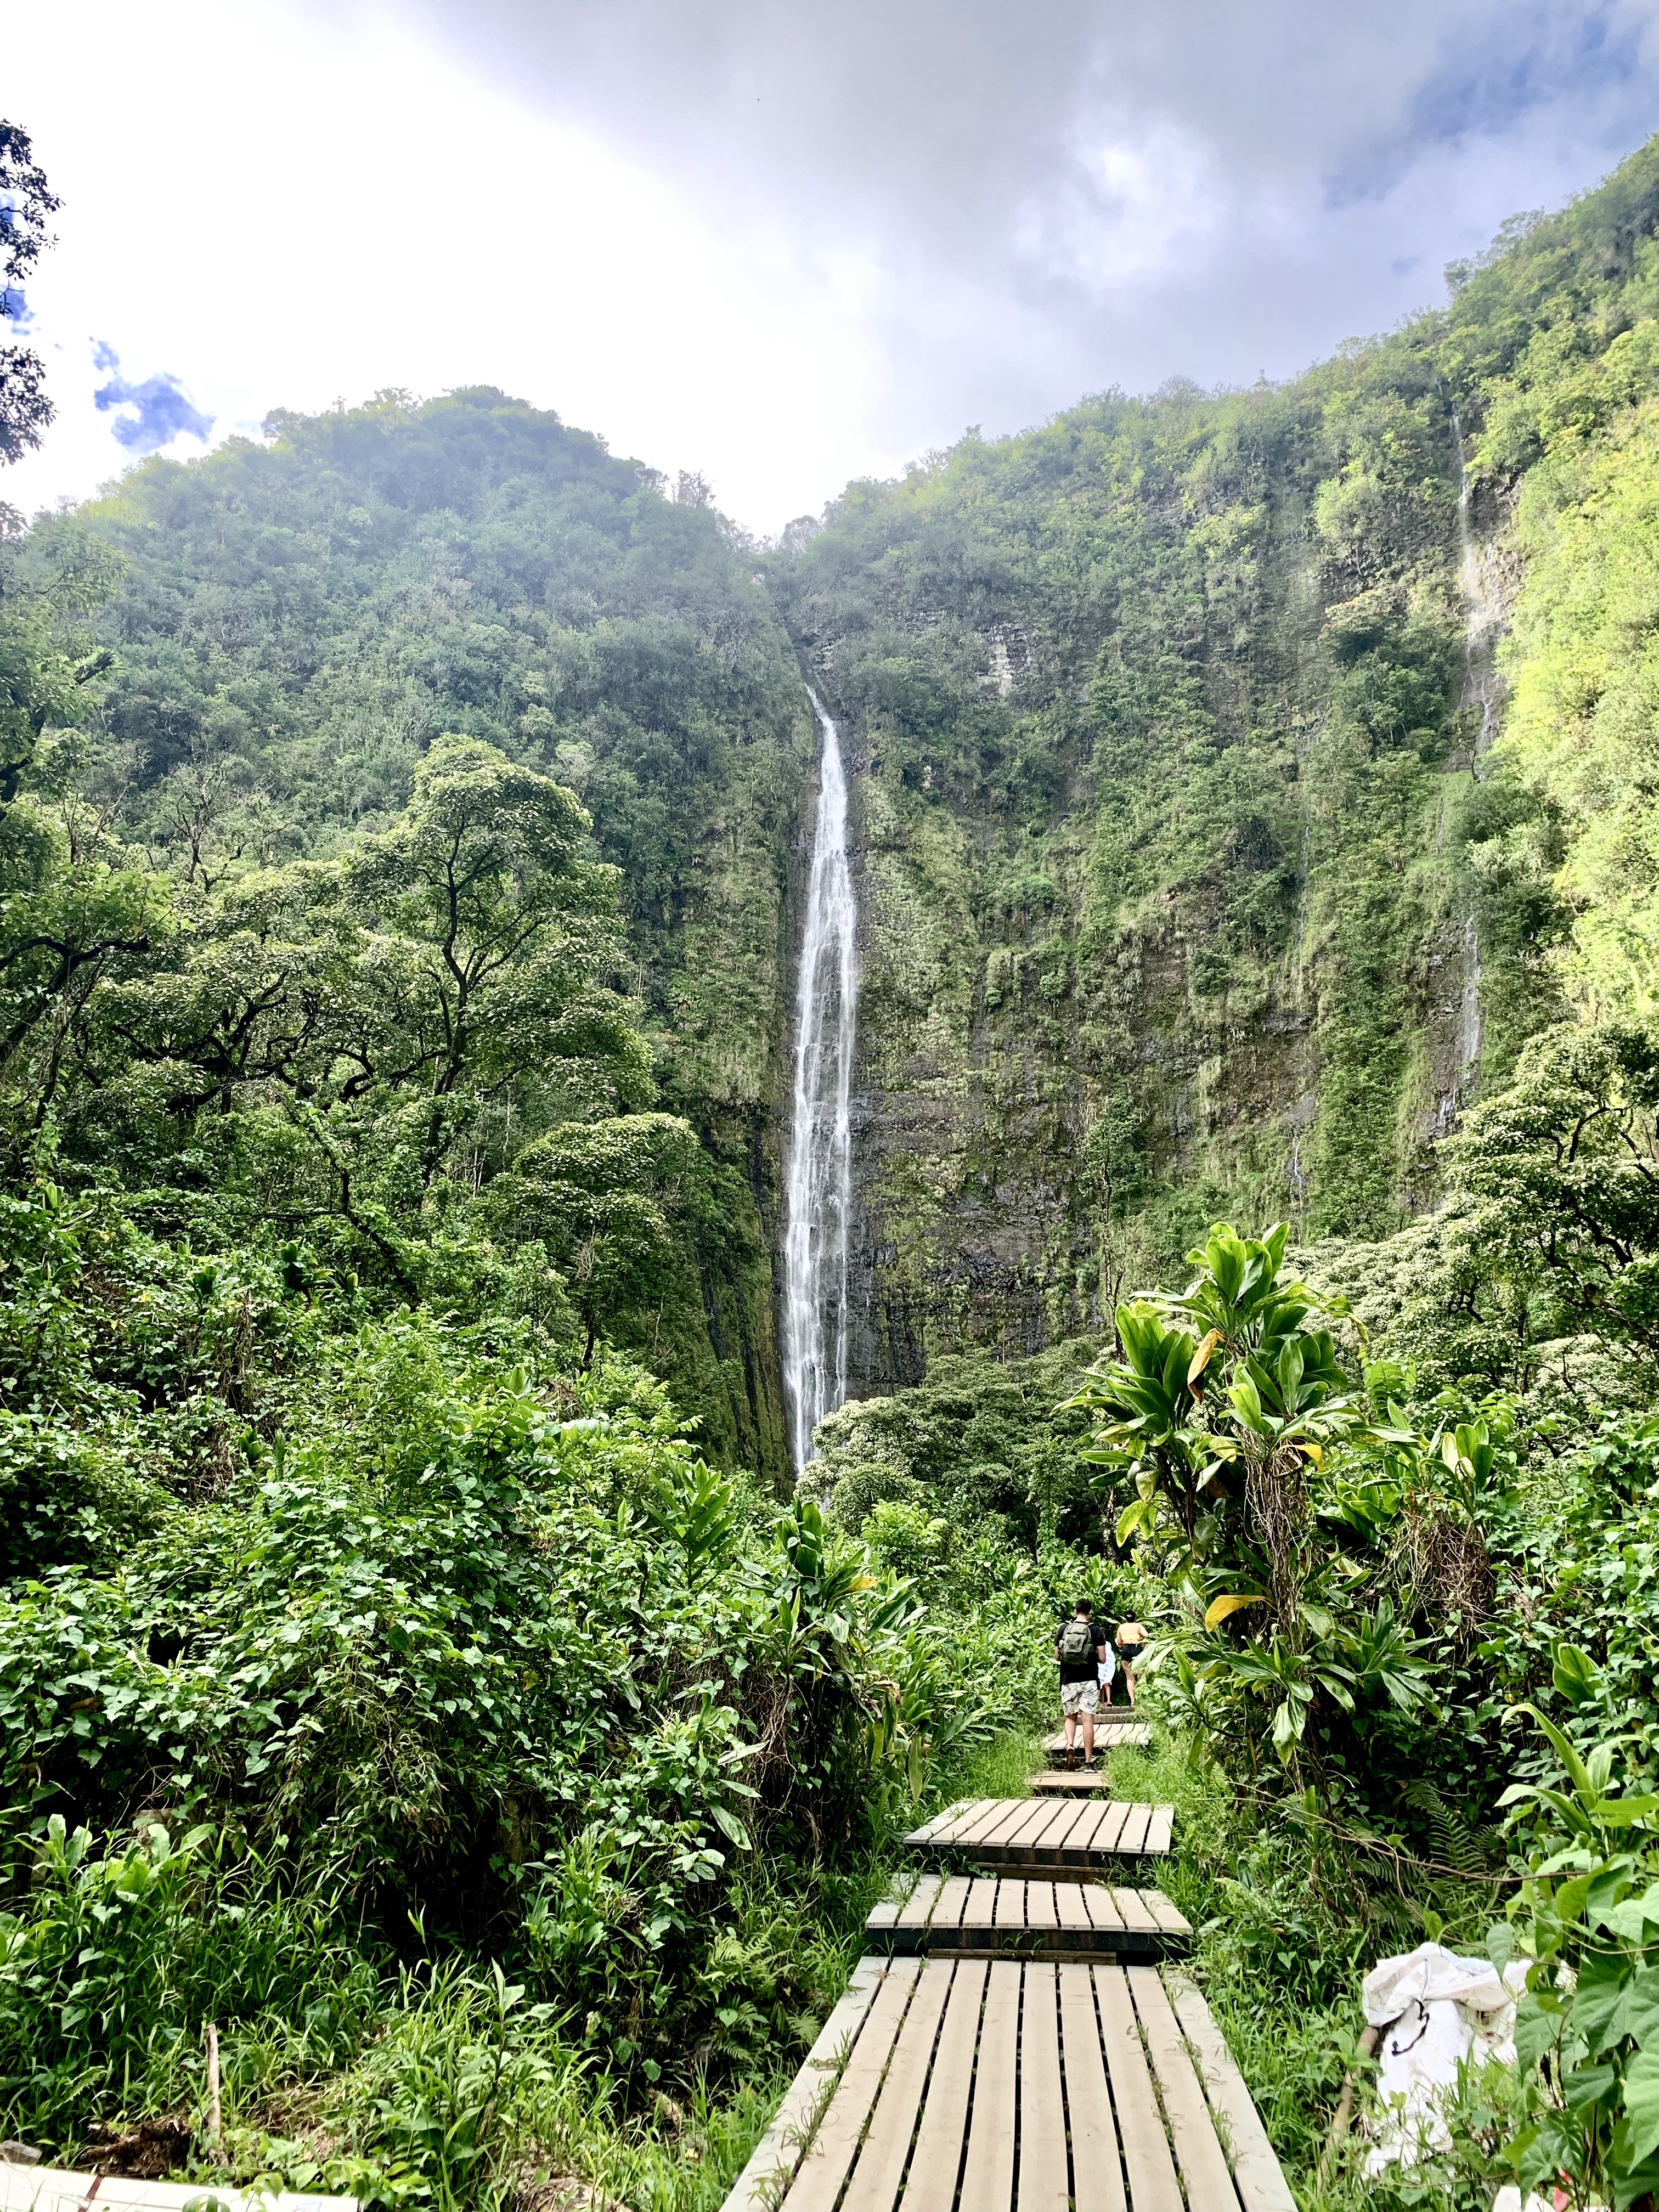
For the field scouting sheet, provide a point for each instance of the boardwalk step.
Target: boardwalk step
(58, 2188)
(1056, 1782)
(1059, 1837)
(1109, 1735)
(1026, 1919)
(1096, 2085)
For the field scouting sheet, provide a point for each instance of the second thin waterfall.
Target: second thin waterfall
(818, 1180)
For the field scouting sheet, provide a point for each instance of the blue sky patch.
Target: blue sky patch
(148, 416)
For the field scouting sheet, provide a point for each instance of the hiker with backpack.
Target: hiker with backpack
(1080, 1647)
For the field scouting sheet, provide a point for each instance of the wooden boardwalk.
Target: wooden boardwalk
(1109, 1735)
(972, 2085)
(57, 2189)
(1057, 1782)
(1028, 1919)
(1046, 1835)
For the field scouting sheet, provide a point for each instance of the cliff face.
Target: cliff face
(1190, 882)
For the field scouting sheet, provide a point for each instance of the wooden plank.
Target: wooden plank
(777, 2153)
(1095, 1813)
(1061, 1818)
(980, 1910)
(936, 2161)
(923, 1896)
(947, 1912)
(1158, 1834)
(1096, 2167)
(886, 2149)
(1057, 1784)
(1198, 2151)
(1009, 1910)
(884, 1912)
(988, 2179)
(1039, 1812)
(1078, 1816)
(1133, 1907)
(1134, 1828)
(1169, 1917)
(1257, 2173)
(1109, 1735)
(991, 1814)
(1107, 1824)
(1151, 2170)
(64, 2189)
(1071, 1905)
(1083, 1819)
(1027, 1833)
(1105, 1837)
(985, 1812)
(1043, 2181)
(1040, 1909)
(1005, 1813)
(835, 2142)
(1101, 1908)
(960, 1811)
(943, 1839)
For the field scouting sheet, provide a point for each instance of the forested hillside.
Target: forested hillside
(290, 626)
(1205, 869)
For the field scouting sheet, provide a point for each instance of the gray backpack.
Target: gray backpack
(1076, 1641)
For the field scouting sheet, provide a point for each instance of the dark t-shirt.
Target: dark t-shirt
(1080, 1670)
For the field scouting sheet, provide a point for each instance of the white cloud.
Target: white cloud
(1127, 207)
(783, 246)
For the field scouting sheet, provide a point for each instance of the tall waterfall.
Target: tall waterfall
(1482, 618)
(818, 1183)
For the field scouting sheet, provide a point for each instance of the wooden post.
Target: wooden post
(214, 2114)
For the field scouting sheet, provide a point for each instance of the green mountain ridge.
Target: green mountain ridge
(1191, 882)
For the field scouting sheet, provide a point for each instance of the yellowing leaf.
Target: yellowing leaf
(1202, 1359)
(1219, 1607)
(1316, 1454)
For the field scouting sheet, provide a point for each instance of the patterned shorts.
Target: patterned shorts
(1079, 1697)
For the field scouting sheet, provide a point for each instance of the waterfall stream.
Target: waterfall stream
(1481, 619)
(818, 1177)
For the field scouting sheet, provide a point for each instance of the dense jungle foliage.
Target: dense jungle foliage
(415, 1659)
(285, 630)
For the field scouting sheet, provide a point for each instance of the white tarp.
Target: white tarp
(1438, 2011)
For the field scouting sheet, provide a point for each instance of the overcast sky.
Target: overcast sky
(785, 242)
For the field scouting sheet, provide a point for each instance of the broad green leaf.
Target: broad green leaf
(1574, 1672)
(1636, 2013)
(1641, 2106)
(1536, 2028)
(1584, 2085)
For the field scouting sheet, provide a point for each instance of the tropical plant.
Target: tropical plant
(1245, 1439)
(1586, 1920)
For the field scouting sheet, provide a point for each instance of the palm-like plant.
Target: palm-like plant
(1222, 1406)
